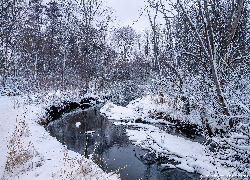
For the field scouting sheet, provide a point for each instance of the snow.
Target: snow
(78, 124)
(89, 132)
(117, 112)
(145, 107)
(29, 152)
(239, 136)
(168, 166)
(192, 156)
(189, 155)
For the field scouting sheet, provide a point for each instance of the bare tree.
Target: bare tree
(205, 35)
(12, 11)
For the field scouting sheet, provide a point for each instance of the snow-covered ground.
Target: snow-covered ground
(147, 106)
(187, 155)
(29, 152)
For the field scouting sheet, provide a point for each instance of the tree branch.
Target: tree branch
(194, 29)
(236, 21)
(211, 38)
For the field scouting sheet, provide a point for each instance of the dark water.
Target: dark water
(113, 151)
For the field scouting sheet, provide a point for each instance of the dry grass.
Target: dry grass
(76, 168)
(20, 154)
(80, 168)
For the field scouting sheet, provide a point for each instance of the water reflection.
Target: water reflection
(111, 146)
(105, 136)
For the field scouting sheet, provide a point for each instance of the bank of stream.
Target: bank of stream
(94, 136)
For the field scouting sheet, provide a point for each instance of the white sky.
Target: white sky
(128, 11)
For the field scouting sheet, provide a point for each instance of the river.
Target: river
(90, 133)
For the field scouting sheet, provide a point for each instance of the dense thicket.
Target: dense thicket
(199, 56)
(57, 45)
(207, 56)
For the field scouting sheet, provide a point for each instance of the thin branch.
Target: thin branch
(194, 29)
(231, 15)
(236, 21)
(211, 38)
(239, 58)
(205, 26)
(191, 54)
(146, 7)
(163, 10)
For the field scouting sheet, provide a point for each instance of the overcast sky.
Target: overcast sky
(128, 11)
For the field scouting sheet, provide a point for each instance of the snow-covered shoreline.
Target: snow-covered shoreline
(188, 155)
(29, 152)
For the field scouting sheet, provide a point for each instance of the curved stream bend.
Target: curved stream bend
(88, 131)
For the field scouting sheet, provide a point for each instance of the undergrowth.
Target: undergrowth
(22, 156)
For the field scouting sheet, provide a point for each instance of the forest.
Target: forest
(193, 59)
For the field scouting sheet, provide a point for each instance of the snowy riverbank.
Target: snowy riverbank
(29, 152)
(184, 153)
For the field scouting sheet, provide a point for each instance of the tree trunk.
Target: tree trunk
(209, 49)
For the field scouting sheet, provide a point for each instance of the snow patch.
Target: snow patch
(168, 166)
(113, 111)
(78, 124)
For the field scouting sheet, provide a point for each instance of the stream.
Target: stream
(88, 132)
